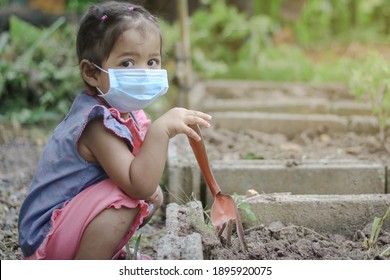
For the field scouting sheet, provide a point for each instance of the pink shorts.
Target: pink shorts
(69, 223)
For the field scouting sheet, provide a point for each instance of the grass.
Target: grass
(371, 244)
(132, 253)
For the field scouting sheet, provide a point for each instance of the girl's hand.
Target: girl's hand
(155, 201)
(156, 198)
(176, 121)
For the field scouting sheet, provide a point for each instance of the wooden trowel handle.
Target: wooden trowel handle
(199, 150)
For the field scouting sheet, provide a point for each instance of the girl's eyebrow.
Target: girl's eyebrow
(128, 54)
(155, 54)
(137, 54)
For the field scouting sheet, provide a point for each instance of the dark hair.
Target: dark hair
(104, 23)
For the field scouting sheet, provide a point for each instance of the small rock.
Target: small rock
(325, 138)
(291, 148)
(275, 226)
(251, 193)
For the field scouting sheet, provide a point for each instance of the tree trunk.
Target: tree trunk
(167, 8)
(353, 9)
(386, 18)
(291, 10)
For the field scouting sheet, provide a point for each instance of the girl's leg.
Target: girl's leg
(91, 225)
(104, 233)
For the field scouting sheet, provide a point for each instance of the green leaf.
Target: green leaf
(252, 155)
(374, 231)
(136, 246)
(244, 206)
(41, 39)
(23, 33)
(248, 211)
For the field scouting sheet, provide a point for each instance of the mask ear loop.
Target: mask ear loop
(105, 71)
(101, 69)
(100, 91)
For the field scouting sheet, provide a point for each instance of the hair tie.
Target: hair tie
(104, 17)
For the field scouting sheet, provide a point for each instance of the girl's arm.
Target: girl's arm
(138, 176)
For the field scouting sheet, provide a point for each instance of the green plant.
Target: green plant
(244, 206)
(372, 242)
(281, 63)
(133, 252)
(314, 23)
(252, 155)
(370, 82)
(78, 5)
(322, 20)
(226, 37)
(38, 70)
(4, 2)
(233, 45)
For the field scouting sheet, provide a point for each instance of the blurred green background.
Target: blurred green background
(313, 41)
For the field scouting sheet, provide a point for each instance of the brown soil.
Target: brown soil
(290, 242)
(319, 145)
(18, 157)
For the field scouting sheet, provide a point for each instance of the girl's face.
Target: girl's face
(135, 50)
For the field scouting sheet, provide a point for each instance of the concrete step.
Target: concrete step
(269, 176)
(293, 124)
(238, 89)
(342, 214)
(289, 105)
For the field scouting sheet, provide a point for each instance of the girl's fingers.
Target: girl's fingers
(192, 134)
(197, 118)
(203, 115)
(199, 121)
(178, 120)
(200, 118)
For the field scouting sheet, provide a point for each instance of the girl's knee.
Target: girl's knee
(105, 232)
(114, 222)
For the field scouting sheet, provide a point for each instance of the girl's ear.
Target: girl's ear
(89, 73)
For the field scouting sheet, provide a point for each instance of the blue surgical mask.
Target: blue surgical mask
(134, 89)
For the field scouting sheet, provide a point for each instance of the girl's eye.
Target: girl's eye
(127, 63)
(153, 62)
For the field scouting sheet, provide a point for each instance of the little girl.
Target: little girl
(97, 179)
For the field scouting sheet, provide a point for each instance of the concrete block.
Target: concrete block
(387, 168)
(171, 247)
(344, 214)
(179, 216)
(275, 105)
(225, 89)
(237, 176)
(181, 243)
(288, 124)
(343, 177)
(350, 108)
(184, 182)
(184, 174)
(293, 105)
